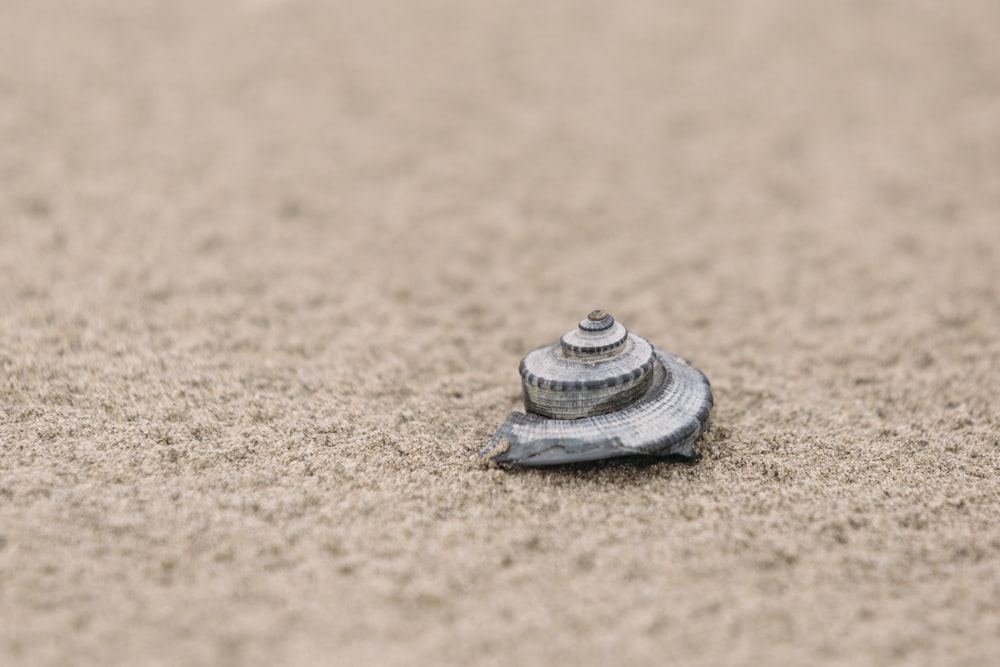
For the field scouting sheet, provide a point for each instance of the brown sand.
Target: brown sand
(267, 269)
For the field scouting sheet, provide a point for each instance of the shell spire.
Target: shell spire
(602, 392)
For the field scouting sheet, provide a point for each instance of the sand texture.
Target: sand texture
(267, 269)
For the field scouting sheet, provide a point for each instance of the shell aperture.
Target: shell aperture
(602, 392)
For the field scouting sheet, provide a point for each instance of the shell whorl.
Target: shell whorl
(665, 421)
(595, 369)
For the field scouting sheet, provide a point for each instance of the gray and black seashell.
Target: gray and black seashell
(603, 392)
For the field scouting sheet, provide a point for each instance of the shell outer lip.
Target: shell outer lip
(665, 421)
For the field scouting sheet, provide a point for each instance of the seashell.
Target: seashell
(602, 392)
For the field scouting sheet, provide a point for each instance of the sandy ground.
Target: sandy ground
(267, 270)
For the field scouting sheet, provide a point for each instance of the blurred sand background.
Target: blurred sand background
(267, 270)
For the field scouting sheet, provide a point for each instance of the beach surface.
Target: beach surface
(267, 269)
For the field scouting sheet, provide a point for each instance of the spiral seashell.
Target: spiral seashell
(602, 392)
